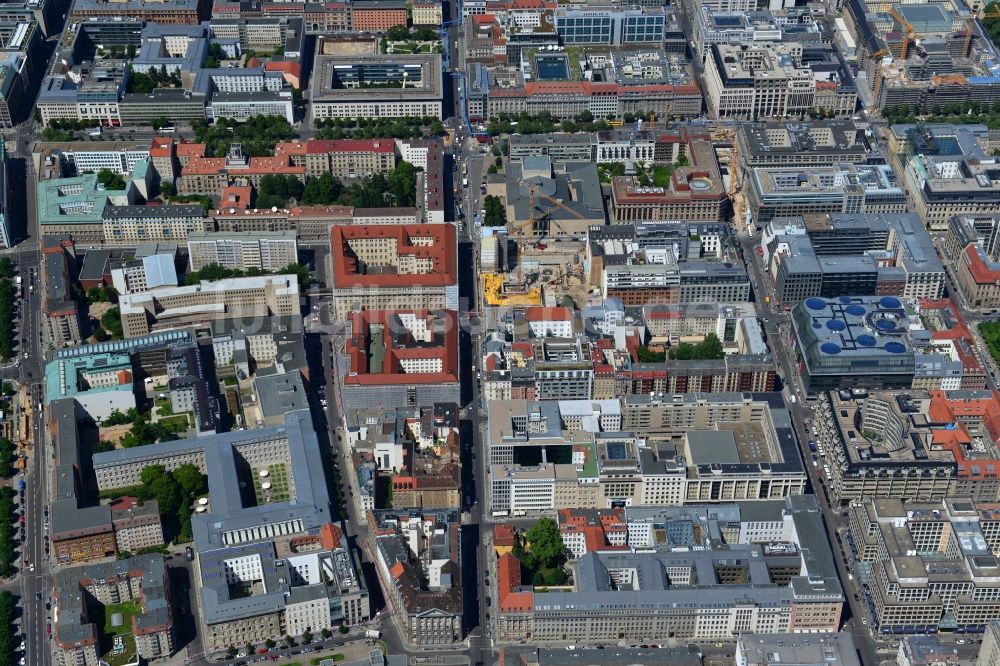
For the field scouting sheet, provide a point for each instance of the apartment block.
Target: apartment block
(266, 251)
(77, 630)
(364, 87)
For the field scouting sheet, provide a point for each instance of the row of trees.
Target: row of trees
(8, 555)
(8, 307)
(544, 122)
(413, 127)
(708, 349)
(257, 134)
(8, 458)
(175, 492)
(213, 272)
(8, 643)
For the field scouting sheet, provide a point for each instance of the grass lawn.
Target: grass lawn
(178, 423)
(278, 478)
(661, 175)
(128, 609)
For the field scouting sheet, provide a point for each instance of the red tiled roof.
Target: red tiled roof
(392, 372)
(503, 535)
(538, 313)
(508, 580)
(441, 252)
(981, 271)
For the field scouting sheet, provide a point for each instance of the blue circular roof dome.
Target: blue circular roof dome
(844, 300)
(895, 347)
(815, 303)
(835, 325)
(885, 325)
(890, 303)
(830, 348)
(866, 340)
(855, 310)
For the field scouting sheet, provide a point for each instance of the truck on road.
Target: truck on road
(373, 633)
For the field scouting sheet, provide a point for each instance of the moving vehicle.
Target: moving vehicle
(373, 633)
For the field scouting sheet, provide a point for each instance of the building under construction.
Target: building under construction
(552, 199)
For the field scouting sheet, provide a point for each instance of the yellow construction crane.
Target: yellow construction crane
(537, 216)
(909, 35)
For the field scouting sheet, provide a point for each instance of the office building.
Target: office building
(63, 321)
(771, 80)
(920, 445)
(611, 26)
(819, 143)
(365, 87)
(544, 198)
(833, 254)
(854, 342)
(843, 188)
(683, 593)
(638, 451)
(344, 158)
(974, 253)
(695, 192)
(233, 297)
(266, 251)
(929, 566)
(393, 267)
(769, 650)
(100, 383)
(240, 540)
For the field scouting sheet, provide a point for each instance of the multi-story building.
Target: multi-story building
(832, 255)
(663, 280)
(640, 450)
(920, 445)
(266, 251)
(345, 158)
(770, 80)
(400, 358)
(136, 524)
(78, 631)
(232, 297)
(394, 266)
(695, 193)
(242, 542)
(377, 15)
(100, 383)
(366, 87)
(151, 272)
(929, 566)
(688, 593)
(612, 26)
(974, 253)
(417, 560)
(819, 143)
(63, 321)
(768, 650)
(860, 342)
(843, 188)
(188, 12)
